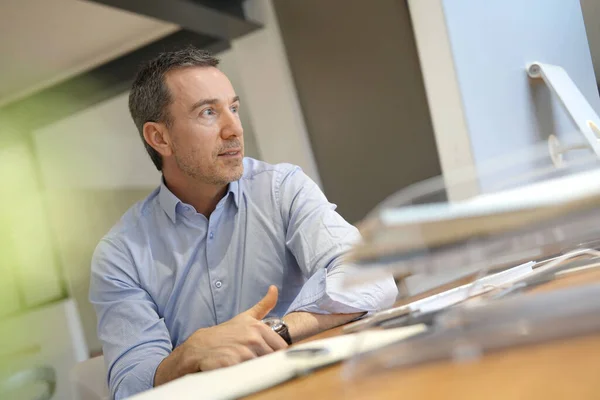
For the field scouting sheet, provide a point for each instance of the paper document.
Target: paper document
(461, 293)
(448, 297)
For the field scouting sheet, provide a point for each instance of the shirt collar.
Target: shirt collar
(235, 188)
(168, 201)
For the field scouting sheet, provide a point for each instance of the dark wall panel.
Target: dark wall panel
(358, 78)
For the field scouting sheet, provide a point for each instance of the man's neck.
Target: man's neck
(202, 196)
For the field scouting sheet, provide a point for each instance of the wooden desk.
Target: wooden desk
(568, 369)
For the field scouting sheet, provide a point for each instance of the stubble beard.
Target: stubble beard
(213, 175)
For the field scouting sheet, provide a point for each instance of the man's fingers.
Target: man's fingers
(273, 339)
(245, 353)
(265, 305)
(227, 356)
(260, 347)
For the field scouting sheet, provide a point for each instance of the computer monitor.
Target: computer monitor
(483, 104)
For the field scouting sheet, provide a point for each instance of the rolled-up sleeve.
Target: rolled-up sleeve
(318, 237)
(134, 337)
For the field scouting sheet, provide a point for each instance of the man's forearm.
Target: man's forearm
(303, 324)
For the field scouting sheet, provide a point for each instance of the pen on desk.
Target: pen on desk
(375, 320)
(426, 318)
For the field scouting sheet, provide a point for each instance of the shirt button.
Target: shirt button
(211, 235)
(218, 284)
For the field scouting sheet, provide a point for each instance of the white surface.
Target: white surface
(48, 336)
(97, 148)
(43, 42)
(443, 95)
(267, 371)
(272, 100)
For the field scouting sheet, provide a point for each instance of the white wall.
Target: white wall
(98, 148)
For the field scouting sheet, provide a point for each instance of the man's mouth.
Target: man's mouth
(231, 153)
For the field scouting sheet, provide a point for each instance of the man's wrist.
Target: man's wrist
(304, 324)
(279, 326)
(187, 357)
(301, 325)
(173, 366)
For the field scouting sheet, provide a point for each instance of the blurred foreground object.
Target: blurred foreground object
(24, 384)
(548, 220)
(521, 221)
(40, 340)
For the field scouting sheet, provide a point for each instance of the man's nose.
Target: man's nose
(232, 126)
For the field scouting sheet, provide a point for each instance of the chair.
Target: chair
(88, 380)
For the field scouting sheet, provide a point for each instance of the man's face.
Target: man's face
(206, 132)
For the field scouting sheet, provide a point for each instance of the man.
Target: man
(177, 283)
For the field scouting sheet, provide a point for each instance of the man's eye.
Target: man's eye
(235, 109)
(208, 112)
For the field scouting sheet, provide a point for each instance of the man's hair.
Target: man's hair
(150, 97)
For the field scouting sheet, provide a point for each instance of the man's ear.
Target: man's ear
(157, 136)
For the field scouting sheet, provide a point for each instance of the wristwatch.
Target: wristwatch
(279, 327)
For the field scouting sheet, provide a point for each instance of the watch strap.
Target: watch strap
(284, 332)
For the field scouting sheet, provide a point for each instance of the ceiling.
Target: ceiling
(43, 42)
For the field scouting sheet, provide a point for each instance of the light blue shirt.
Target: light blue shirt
(165, 270)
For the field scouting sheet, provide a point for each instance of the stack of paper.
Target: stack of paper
(401, 235)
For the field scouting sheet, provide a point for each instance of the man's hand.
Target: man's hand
(241, 338)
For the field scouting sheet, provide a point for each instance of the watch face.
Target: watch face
(274, 323)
